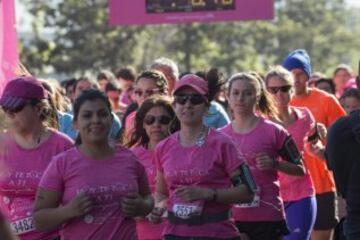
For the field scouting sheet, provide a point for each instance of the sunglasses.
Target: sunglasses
(195, 99)
(147, 92)
(163, 120)
(275, 90)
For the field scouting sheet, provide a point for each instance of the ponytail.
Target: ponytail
(214, 80)
(266, 104)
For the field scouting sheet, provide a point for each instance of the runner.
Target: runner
(154, 121)
(25, 151)
(261, 143)
(299, 201)
(199, 171)
(325, 109)
(93, 190)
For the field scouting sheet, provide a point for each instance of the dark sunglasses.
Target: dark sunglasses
(147, 92)
(194, 99)
(275, 90)
(163, 120)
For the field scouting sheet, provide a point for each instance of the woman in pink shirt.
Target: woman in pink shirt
(261, 143)
(25, 151)
(299, 201)
(154, 121)
(199, 171)
(95, 189)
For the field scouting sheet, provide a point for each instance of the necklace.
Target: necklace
(200, 140)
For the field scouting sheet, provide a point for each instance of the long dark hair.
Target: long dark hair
(215, 81)
(139, 135)
(88, 95)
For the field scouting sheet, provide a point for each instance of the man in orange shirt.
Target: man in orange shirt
(326, 109)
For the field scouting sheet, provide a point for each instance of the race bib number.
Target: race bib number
(23, 226)
(255, 202)
(186, 211)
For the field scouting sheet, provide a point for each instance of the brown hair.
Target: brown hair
(139, 135)
(266, 104)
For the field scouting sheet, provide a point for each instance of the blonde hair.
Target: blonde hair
(281, 72)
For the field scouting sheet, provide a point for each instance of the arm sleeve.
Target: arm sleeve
(53, 177)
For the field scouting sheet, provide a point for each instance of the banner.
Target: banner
(8, 42)
(142, 12)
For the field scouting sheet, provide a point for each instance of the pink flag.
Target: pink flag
(8, 42)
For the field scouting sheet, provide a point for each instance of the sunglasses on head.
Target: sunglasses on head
(194, 99)
(147, 92)
(163, 120)
(275, 90)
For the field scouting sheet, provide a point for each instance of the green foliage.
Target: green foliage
(83, 41)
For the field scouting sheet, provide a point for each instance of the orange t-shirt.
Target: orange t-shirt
(326, 109)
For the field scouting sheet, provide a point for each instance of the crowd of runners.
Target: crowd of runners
(162, 154)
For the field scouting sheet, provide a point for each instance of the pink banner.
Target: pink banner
(8, 42)
(141, 12)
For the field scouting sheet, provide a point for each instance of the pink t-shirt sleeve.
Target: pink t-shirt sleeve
(230, 156)
(52, 178)
(158, 154)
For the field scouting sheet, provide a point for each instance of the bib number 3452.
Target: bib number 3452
(23, 226)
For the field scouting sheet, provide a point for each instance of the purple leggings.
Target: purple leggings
(300, 217)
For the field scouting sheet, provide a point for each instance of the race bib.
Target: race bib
(255, 202)
(187, 210)
(23, 226)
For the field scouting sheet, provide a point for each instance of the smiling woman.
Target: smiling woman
(95, 189)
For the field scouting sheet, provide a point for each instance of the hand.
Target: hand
(191, 194)
(156, 215)
(264, 162)
(315, 149)
(322, 131)
(132, 205)
(80, 205)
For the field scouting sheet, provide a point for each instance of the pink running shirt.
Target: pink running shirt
(267, 138)
(145, 229)
(106, 181)
(20, 172)
(210, 166)
(304, 186)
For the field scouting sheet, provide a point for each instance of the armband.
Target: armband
(289, 152)
(245, 177)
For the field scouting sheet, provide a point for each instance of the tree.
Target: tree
(82, 40)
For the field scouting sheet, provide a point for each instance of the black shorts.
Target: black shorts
(327, 211)
(263, 230)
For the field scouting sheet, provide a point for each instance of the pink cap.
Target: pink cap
(193, 81)
(21, 89)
